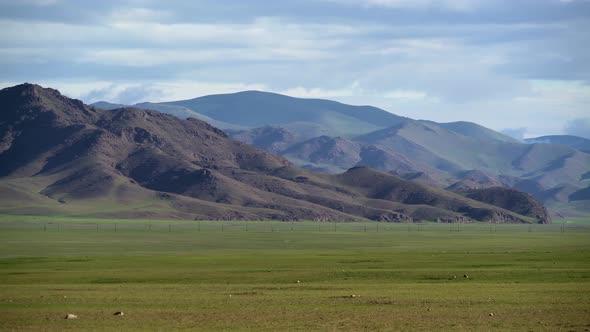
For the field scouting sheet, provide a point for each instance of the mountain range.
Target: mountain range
(61, 156)
(579, 143)
(332, 137)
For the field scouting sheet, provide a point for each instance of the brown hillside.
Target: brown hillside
(144, 162)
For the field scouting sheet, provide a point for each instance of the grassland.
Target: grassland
(243, 276)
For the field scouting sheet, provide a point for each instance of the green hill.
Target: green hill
(307, 117)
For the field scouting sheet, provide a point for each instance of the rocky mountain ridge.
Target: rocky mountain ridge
(59, 154)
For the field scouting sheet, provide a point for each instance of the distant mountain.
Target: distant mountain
(105, 105)
(335, 154)
(534, 168)
(579, 143)
(60, 156)
(474, 130)
(474, 179)
(331, 137)
(429, 152)
(178, 111)
(269, 138)
(306, 117)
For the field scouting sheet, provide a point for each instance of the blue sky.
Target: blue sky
(522, 65)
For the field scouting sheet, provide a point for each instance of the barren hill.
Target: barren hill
(60, 156)
(331, 137)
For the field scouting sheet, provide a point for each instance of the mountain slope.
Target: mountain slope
(474, 130)
(326, 152)
(458, 156)
(441, 151)
(178, 111)
(578, 143)
(474, 179)
(541, 166)
(269, 138)
(61, 156)
(512, 200)
(105, 105)
(337, 154)
(306, 117)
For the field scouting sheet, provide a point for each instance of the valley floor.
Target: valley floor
(291, 276)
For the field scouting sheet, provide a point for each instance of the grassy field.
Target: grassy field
(291, 276)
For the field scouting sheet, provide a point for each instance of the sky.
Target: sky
(518, 66)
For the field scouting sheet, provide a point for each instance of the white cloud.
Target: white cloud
(544, 109)
(138, 14)
(189, 89)
(145, 43)
(465, 65)
(352, 90)
(155, 57)
(561, 91)
(405, 94)
(262, 30)
(409, 47)
(38, 3)
(518, 133)
(119, 92)
(578, 127)
(453, 5)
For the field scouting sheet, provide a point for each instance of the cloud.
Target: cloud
(131, 93)
(123, 94)
(578, 127)
(35, 3)
(453, 5)
(446, 60)
(138, 14)
(303, 92)
(162, 91)
(518, 133)
(135, 43)
(405, 94)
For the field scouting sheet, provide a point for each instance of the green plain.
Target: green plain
(173, 275)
